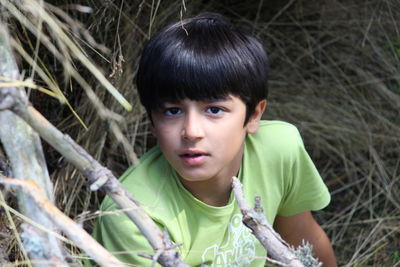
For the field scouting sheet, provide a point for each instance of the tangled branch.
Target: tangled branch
(79, 236)
(277, 248)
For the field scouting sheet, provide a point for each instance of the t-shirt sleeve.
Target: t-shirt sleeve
(118, 234)
(305, 189)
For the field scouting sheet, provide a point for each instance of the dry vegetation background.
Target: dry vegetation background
(335, 73)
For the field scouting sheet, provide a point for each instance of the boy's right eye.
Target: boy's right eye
(172, 111)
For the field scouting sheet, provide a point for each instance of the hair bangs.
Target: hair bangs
(203, 58)
(188, 75)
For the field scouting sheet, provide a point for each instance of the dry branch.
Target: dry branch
(79, 236)
(24, 151)
(97, 175)
(100, 176)
(276, 247)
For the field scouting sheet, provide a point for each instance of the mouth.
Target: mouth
(192, 155)
(193, 158)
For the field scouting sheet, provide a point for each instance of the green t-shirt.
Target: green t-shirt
(275, 166)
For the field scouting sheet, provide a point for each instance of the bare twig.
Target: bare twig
(24, 151)
(272, 242)
(98, 176)
(79, 236)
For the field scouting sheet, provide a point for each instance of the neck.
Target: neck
(212, 192)
(215, 191)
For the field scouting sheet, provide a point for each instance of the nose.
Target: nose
(192, 127)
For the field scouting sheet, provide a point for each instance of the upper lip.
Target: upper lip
(192, 151)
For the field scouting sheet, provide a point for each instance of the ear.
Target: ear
(252, 124)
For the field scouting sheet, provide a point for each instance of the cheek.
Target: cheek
(231, 139)
(165, 138)
(162, 132)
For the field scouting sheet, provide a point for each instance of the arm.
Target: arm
(294, 229)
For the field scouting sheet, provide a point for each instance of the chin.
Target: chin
(194, 178)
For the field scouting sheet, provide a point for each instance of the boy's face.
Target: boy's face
(204, 140)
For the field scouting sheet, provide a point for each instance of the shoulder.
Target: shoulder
(279, 154)
(276, 137)
(278, 130)
(269, 157)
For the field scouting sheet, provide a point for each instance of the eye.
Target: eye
(214, 110)
(172, 111)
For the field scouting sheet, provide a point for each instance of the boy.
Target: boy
(203, 84)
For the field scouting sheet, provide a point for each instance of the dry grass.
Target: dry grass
(334, 73)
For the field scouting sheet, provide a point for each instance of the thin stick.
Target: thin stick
(263, 231)
(24, 151)
(97, 175)
(76, 233)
